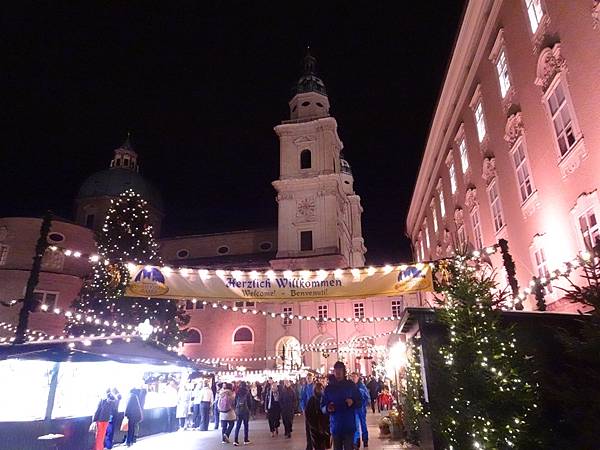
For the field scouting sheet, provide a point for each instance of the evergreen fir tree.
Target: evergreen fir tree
(491, 401)
(580, 401)
(126, 237)
(413, 404)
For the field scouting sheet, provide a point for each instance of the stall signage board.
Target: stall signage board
(157, 282)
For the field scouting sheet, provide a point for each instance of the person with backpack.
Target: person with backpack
(226, 412)
(243, 399)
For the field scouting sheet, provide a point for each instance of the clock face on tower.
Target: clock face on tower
(306, 207)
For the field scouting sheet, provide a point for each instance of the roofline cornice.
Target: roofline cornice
(476, 27)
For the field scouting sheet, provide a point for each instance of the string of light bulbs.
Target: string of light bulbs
(564, 270)
(254, 274)
(216, 361)
(73, 338)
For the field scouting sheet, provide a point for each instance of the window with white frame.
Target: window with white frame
(499, 59)
(244, 304)
(322, 312)
(503, 74)
(495, 206)
(589, 228)
(287, 311)
(452, 172)
(476, 224)
(480, 120)
(540, 263)
(192, 336)
(3, 254)
(426, 228)
(434, 216)
(359, 310)
(562, 114)
(243, 334)
(535, 13)
(49, 298)
(523, 171)
(396, 308)
(441, 196)
(194, 304)
(464, 154)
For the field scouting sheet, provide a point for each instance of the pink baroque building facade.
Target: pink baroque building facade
(60, 277)
(319, 226)
(514, 146)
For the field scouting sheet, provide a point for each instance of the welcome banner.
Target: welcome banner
(287, 286)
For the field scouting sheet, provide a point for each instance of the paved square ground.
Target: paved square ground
(259, 436)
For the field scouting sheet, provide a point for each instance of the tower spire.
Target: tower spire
(127, 144)
(310, 63)
(125, 156)
(309, 81)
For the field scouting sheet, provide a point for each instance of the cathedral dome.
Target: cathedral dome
(112, 182)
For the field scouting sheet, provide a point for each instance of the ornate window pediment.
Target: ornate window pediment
(596, 14)
(488, 172)
(471, 197)
(550, 63)
(459, 218)
(514, 129)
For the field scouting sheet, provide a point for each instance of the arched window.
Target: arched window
(243, 335)
(192, 336)
(305, 159)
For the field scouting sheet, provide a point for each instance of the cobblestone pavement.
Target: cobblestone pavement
(259, 436)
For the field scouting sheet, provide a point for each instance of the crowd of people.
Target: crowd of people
(334, 406)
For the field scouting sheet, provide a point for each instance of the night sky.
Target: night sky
(200, 85)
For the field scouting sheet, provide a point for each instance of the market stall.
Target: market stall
(53, 387)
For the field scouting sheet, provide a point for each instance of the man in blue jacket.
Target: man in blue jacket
(340, 400)
(305, 395)
(361, 413)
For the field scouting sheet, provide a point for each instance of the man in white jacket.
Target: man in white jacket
(206, 399)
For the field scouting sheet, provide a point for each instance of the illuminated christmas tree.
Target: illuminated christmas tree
(413, 398)
(490, 403)
(126, 237)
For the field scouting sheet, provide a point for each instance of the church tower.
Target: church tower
(319, 218)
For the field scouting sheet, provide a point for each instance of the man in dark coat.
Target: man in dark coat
(287, 401)
(305, 395)
(340, 400)
(134, 412)
(317, 423)
(374, 388)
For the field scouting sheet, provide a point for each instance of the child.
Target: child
(385, 400)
